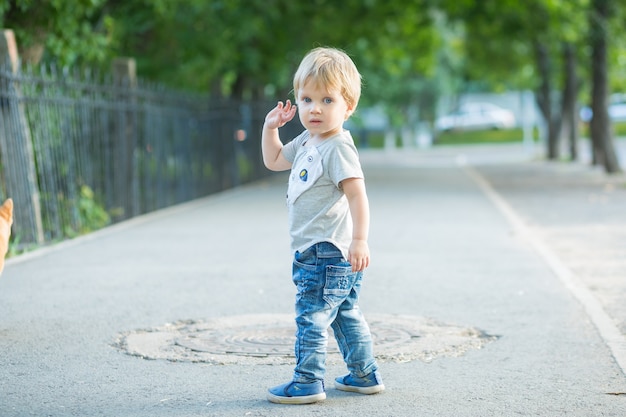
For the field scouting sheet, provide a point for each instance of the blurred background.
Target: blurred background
(115, 108)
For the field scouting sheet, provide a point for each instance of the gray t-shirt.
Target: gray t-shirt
(318, 208)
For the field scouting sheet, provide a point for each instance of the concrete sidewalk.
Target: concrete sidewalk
(477, 238)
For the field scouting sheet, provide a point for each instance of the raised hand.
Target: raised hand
(279, 115)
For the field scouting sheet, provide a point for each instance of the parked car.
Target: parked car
(616, 109)
(476, 116)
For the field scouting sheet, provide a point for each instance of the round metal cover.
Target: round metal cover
(270, 339)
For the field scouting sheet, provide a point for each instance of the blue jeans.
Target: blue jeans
(328, 294)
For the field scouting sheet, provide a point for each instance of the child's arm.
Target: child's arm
(359, 252)
(271, 145)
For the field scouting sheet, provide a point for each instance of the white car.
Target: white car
(476, 116)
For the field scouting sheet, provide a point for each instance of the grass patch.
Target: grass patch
(374, 140)
(482, 136)
(619, 129)
(377, 140)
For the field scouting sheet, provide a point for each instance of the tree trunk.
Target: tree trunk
(601, 135)
(544, 99)
(568, 104)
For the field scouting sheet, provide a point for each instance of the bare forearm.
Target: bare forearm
(359, 210)
(271, 147)
(359, 252)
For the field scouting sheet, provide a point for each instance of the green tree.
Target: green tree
(250, 48)
(601, 135)
(524, 43)
(511, 44)
(68, 32)
(408, 52)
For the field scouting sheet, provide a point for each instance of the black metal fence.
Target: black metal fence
(80, 151)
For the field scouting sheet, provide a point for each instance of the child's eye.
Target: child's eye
(328, 100)
(306, 99)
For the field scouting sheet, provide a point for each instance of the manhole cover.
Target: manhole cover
(270, 339)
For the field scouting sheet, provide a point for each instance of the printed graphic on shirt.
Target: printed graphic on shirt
(304, 174)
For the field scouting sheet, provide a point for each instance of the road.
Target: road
(524, 255)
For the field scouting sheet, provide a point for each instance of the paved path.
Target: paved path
(480, 237)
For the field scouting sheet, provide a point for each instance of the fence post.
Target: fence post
(18, 161)
(125, 79)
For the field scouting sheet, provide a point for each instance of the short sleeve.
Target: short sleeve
(290, 149)
(343, 163)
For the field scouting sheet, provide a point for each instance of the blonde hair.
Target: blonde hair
(332, 69)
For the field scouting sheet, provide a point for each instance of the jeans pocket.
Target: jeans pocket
(339, 281)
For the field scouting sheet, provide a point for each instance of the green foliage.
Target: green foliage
(83, 214)
(243, 48)
(500, 37)
(65, 31)
(78, 213)
(92, 215)
(619, 130)
(376, 140)
(481, 136)
(14, 245)
(409, 52)
(244, 166)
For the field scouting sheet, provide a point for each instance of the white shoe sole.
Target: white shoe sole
(374, 389)
(303, 399)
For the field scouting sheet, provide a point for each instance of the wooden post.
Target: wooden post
(126, 179)
(16, 148)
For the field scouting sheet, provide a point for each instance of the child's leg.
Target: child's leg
(355, 342)
(327, 293)
(353, 335)
(313, 313)
(312, 318)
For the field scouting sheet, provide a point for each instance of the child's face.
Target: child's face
(322, 112)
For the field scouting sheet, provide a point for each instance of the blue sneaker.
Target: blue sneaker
(369, 384)
(297, 393)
